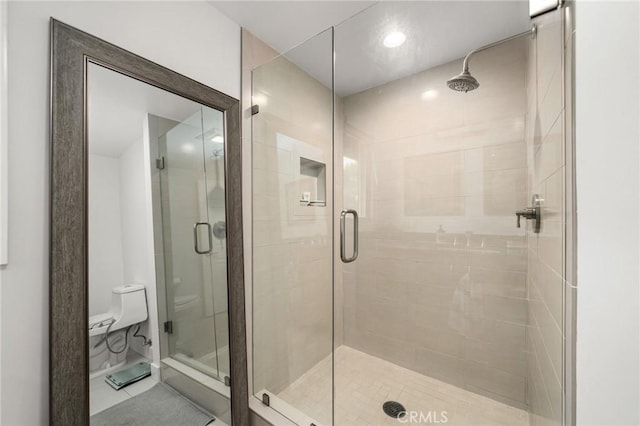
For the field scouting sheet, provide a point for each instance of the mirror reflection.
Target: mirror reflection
(158, 319)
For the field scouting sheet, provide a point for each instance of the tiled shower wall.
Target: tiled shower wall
(547, 171)
(292, 265)
(436, 175)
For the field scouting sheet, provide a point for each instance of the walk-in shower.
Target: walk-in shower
(410, 290)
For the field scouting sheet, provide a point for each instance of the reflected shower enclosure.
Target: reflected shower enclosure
(190, 177)
(157, 241)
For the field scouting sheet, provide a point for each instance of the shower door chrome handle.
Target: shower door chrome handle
(195, 238)
(343, 242)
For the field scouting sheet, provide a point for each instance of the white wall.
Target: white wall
(607, 140)
(137, 251)
(105, 232)
(3, 157)
(133, 199)
(121, 234)
(191, 38)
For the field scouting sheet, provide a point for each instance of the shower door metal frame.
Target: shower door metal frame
(71, 52)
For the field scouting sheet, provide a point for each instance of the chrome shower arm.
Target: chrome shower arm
(532, 32)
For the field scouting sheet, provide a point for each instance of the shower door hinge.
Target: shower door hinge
(227, 381)
(168, 327)
(255, 109)
(160, 163)
(265, 399)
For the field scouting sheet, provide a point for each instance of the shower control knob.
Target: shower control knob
(528, 213)
(531, 213)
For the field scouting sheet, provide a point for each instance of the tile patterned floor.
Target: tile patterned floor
(364, 383)
(103, 396)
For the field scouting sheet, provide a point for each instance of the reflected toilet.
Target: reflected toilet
(108, 349)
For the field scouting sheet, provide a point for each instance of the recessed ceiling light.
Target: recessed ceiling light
(394, 39)
(188, 148)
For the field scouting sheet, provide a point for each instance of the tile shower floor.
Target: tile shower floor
(364, 383)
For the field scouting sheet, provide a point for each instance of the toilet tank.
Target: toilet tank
(128, 305)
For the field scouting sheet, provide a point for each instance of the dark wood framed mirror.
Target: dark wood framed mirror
(72, 53)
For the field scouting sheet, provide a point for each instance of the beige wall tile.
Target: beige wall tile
(548, 50)
(495, 381)
(549, 155)
(440, 366)
(452, 161)
(510, 359)
(500, 157)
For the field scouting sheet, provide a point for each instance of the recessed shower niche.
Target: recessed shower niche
(313, 183)
(295, 168)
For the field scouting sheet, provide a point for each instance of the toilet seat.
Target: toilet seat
(99, 323)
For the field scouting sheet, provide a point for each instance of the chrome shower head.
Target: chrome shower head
(463, 82)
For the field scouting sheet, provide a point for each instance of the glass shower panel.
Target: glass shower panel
(192, 198)
(292, 146)
(549, 173)
(434, 309)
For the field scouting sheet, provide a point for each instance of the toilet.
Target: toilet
(128, 307)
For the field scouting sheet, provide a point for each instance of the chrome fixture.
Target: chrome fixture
(195, 238)
(532, 213)
(464, 81)
(220, 230)
(343, 242)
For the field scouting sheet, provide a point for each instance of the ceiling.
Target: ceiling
(437, 32)
(118, 106)
(285, 24)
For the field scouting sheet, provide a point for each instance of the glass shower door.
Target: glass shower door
(215, 287)
(193, 215)
(292, 146)
(434, 308)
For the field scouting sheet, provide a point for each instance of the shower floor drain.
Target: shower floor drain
(394, 409)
